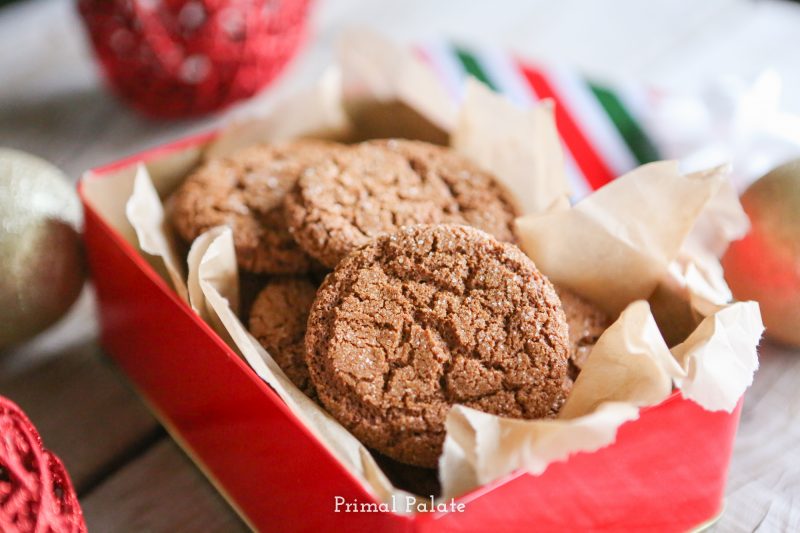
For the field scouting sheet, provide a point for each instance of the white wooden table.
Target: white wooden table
(129, 474)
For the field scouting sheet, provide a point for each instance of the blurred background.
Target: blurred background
(727, 74)
(52, 100)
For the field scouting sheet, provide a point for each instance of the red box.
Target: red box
(665, 472)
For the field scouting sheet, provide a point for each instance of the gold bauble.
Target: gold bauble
(765, 265)
(41, 264)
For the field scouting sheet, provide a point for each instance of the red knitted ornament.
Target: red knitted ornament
(178, 58)
(35, 491)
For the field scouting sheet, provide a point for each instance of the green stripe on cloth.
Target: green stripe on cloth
(473, 67)
(637, 140)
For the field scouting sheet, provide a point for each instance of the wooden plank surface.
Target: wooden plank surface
(82, 406)
(132, 477)
(763, 491)
(161, 491)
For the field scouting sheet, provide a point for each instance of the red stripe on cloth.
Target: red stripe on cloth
(593, 167)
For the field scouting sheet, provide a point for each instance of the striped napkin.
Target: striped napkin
(609, 129)
(602, 126)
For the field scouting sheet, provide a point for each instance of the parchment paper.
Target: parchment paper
(616, 248)
(480, 447)
(212, 265)
(146, 215)
(374, 68)
(719, 358)
(616, 245)
(521, 146)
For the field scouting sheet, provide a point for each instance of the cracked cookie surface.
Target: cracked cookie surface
(278, 321)
(246, 191)
(376, 187)
(428, 317)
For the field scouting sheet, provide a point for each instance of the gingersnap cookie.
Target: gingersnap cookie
(427, 317)
(245, 191)
(278, 321)
(586, 322)
(376, 187)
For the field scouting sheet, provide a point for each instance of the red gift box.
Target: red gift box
(666, 471)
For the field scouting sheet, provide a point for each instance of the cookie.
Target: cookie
(586, 322)
(245, 191)
(372, 188)
(428, 317)
(278, 320)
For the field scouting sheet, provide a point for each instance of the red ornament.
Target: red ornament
(35, 491)
(178, 58)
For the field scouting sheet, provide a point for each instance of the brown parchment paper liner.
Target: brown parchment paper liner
(723, 220)
(618, 247)
(615, 246)
(521, 146)
(146, 214)
(379, 70)
(697, 272)
(212, 265)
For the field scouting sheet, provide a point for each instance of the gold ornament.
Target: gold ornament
(765, 265)
(41, 264)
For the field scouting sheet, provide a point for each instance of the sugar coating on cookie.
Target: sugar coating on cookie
(246, 191)
(376, 187)
(428, 317)
(586, 322)
(278, 321)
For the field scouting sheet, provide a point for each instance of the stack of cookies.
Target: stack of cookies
(392, 286)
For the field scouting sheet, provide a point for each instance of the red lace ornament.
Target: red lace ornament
(178, 58)
(35, 491)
